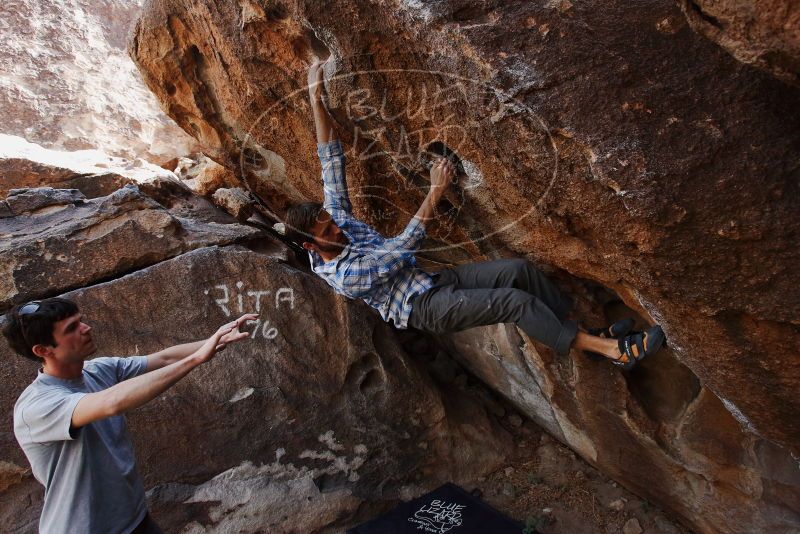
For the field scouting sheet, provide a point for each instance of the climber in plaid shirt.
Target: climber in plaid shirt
(381, 271)
(358, 262)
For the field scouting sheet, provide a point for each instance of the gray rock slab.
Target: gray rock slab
(67, 242)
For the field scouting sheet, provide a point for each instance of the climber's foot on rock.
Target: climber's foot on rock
(616, 330)
(613, 331)
(635, 347)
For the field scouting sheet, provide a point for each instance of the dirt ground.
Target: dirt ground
(553, 491)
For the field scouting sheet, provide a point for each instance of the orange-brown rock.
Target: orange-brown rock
(607, 141)
(235, 201)
(212, 177)
(204, 176)
(765, 34)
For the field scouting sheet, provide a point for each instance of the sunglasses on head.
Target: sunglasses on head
(323, 215)
(28, 309)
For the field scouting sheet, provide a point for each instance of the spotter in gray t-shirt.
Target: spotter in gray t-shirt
(89, 473)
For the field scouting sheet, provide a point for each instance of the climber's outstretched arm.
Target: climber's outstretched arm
(322, 121)
(329, 150)
(442, 174)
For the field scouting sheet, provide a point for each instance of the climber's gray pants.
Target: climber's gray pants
(500, 291)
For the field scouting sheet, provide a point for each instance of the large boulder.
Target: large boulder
(67, 83)
(606, 141)
(319, 415)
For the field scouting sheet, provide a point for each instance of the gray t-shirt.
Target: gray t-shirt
(89, 473)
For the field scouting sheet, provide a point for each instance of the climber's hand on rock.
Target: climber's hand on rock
(315, 81)
(442, 174)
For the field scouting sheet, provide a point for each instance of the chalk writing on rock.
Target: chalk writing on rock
(250, 300)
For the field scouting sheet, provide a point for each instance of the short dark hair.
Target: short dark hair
(300, 219)
(26, 331)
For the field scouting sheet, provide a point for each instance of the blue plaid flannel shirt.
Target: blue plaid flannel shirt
(380, 270)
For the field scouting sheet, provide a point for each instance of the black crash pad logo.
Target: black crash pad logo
(438, 516)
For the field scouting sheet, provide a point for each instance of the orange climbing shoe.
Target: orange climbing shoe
(646, 344)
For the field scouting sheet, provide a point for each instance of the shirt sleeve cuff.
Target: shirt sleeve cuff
(330, 150)
(415, 228)
(141, 365)
(72, 403)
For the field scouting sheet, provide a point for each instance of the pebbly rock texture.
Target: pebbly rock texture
(281, 433)
(606, 141)
(763, 34)
(66, 82)
(56, 239)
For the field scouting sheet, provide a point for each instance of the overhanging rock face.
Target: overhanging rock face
(606, 140)
(656, 429)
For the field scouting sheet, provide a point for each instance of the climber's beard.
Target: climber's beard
(332, 246)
